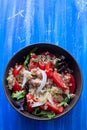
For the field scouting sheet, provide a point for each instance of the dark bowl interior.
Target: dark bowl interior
(19, 58)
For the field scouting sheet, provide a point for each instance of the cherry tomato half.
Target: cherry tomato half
(58, 80)
(71, 82)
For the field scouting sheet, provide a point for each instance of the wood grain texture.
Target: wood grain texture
(62, 22)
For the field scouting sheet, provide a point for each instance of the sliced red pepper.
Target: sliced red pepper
(58, 80)
(17, 69)
(54, 107)
(41, 65)
(71, 82)
(16, 86)
(29, 98)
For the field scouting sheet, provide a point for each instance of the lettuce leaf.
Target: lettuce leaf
(18, 94)
(42, 113)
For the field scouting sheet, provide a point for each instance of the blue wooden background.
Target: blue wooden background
(62, 22)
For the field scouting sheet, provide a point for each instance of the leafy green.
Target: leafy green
(26, 61)
(28, 57)
(18, 94)
(66, 100)
(42, 113)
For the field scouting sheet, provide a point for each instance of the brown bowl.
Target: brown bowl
(56, 50)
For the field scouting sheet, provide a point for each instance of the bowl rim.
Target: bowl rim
(35, 117)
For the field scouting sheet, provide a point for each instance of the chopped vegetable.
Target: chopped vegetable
(48, 66)
(32, 64)
(29, 96)
(43, 83)
(71, 82)
(26, 61)
(17, 69)
(50, 99)
(37, 104)
(57, 78)
(24, 81)
(49, 69)
(66, 100)
(41, 65)
(26, 74)
(49, 73)
(18, 94)
(54, 107)
(20, 104)
(42, 113)
(16, 86)
(30, 101)
(28, 57)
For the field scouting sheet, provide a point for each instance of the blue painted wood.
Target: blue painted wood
(62, 22)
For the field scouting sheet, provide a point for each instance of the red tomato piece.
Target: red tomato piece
(16, 86)
(49, 73)
(58, 80)
(48, 66)
(49, 69)
(17, 69)
(30, 96)
(32, 64)
(54, 107)
(29, 99)
(44, 107)
(71, 82)
(41, 65)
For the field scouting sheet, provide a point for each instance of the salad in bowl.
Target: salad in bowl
(43, 84)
